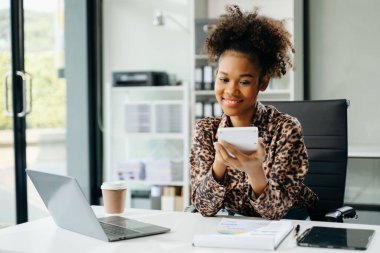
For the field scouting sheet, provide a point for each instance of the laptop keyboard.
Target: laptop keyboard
(114, 232)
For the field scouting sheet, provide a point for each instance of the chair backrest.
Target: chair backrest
(324, 124)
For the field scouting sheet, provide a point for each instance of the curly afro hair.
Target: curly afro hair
(260, 37)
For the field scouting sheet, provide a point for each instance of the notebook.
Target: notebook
(70, 210)
(245, 234)
(340, 238)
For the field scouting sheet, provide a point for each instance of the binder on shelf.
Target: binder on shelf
(208, 77)
(155, 197)
(198, 78)
(172, 199)
(178, 203)
(207, 109)
(199, 112)
(217, 109)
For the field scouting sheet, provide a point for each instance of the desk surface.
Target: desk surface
(364, 151)
(44, 236)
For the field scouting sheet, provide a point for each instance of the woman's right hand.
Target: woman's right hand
(219, 166)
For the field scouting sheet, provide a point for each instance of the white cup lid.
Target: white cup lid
(115, 185)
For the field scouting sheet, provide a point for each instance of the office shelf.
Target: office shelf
(156, 183)
(150, 136)
(148, 124)
(165, 88)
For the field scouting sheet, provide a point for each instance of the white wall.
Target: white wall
(280, 9)
(345, 61)
(133, 43)
(77, 89)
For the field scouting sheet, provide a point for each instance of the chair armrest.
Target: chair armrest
(222, 212)
(341, 213)
(190, 209)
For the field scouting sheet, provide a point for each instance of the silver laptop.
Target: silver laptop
(70, 210)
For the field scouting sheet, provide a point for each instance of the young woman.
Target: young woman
(249, 50)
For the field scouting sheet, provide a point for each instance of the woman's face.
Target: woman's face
(237, 84)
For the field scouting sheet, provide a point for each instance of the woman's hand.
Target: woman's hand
(219, 166)
(233, 158)
(249, 163)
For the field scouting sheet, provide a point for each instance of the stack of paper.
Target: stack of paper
(137, 118)
(131, 170)
(246, 234)
(164, 170)
(169, 118)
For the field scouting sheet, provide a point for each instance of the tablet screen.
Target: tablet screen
(342, 238)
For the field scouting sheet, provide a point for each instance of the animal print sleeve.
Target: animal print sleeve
(207, 195)
(286, 167)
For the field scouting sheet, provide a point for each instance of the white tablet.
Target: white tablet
(243, 138)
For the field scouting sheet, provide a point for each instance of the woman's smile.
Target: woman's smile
(231, 102)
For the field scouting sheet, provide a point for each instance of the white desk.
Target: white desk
(44, 236)
(364, 151)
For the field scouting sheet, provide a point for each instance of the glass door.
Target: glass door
(42, 96)
(44, 62)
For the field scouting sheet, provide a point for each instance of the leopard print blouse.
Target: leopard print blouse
(285, 166)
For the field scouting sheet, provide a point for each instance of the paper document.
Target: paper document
(245, 234)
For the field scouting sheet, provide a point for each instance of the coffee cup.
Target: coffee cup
(114, 194)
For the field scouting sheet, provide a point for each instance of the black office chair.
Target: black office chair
(324, 126)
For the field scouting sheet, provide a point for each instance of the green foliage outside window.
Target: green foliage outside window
(49, 91)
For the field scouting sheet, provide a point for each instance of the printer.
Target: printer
(140, 78)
